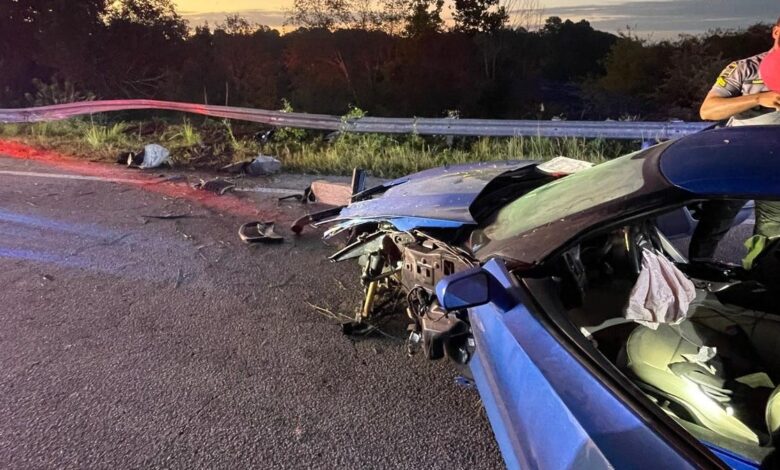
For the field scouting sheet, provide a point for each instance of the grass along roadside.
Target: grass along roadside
(212, 144)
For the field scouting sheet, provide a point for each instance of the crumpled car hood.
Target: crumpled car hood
(443, 193)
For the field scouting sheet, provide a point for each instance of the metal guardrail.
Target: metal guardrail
(633, 130)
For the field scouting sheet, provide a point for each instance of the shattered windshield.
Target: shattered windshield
(556, 201)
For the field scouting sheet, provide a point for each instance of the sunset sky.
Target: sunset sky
(656, 18)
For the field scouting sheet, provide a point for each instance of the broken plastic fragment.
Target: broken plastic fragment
(259, 232)
(215, 186)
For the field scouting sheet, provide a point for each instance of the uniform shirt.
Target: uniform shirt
(740, 78)
(767, 212)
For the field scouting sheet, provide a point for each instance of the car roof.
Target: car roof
(732, 162)
(739, 162)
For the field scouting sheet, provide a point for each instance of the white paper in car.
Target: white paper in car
(662, 294)
(563, 166)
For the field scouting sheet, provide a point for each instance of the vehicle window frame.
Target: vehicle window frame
(552, 317)
(626, 163)
(609, 225)
(656, 190)
(556, 313)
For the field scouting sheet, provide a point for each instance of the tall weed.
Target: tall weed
(105, 136)
(186, 135)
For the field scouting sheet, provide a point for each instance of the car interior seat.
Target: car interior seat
(719, 387)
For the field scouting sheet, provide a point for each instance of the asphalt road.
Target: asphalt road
(131, 341)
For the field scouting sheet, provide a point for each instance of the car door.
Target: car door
(550, 407)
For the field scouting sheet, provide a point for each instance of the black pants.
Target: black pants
(715, 221)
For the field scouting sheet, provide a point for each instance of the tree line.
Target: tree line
(389, 58)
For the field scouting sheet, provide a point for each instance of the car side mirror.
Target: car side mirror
(463, 290)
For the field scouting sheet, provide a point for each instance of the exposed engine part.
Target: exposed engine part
(365, 243)
(368, 304)
(382, 298)
(444, 334)
(414, 342)
(412, 262)
(425, 264)
(437, 332)
(422, 260)
(375, 264)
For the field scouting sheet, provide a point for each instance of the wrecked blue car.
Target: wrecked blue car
(529, 281)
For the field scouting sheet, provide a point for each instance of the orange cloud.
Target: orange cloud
(231, 6)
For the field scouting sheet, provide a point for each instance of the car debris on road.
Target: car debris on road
(262, 165)
(152, 156)
(218, 186)
(259, 232)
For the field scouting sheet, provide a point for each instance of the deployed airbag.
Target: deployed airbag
(662, 294)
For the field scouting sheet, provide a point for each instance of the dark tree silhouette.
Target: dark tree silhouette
(424, 17)
(139, 48)
(573, 50)
(41, 38)
(320, 14)
(479, 16)
(391, 57)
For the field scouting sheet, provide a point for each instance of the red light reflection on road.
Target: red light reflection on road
(68, 164)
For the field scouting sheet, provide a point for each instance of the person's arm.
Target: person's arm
(716, 107)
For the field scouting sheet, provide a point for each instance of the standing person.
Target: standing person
(739, 95)
(763, 255)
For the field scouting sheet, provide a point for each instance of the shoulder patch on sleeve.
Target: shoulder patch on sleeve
(728, 71)
(721, 82)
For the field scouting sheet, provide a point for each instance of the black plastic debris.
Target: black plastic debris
(307, 196)
(298, 225)
(259, 232)
(262, 165)
(236, 168)
(359, 176)
(130, 158)
(217, 186)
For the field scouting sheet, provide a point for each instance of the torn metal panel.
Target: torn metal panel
(437, 194)
(368, 244)
(403, 224)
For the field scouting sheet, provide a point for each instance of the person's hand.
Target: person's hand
(769, 99)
